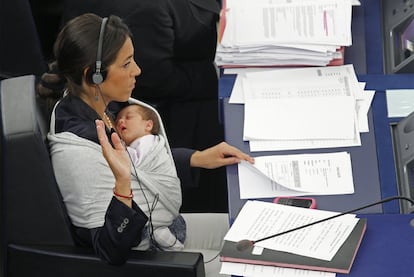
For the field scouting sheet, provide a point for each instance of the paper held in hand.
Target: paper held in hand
(296, 175)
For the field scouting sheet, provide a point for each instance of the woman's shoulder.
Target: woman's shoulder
(74, 116)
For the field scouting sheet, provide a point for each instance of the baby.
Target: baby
(138, 126)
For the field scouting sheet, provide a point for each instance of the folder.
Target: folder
(341, 262)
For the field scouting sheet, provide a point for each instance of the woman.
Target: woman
(178, 76)
(98, 192)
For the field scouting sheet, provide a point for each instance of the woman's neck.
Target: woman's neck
(92, 95)
(94, 98)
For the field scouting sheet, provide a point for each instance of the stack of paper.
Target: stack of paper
(282, 33)
(302, 108)
(330, 245)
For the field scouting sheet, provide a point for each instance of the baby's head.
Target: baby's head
(135, 121)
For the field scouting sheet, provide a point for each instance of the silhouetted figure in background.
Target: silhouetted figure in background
(20, 50)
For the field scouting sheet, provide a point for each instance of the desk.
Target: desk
(388, 245)
(366, 55)
(382, 161)
(387, 248)
(364, 167)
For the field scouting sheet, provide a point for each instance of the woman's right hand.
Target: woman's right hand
(219, 155)
(118, 160)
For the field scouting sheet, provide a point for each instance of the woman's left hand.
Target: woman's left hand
(116, 156)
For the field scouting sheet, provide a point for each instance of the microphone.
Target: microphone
(245, 244)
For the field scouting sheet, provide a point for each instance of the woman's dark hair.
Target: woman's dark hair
(75, 50)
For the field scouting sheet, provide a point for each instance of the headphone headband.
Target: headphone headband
(97, 77)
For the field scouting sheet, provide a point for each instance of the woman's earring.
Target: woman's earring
(96, 95)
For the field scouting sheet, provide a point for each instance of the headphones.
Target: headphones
(98, 77)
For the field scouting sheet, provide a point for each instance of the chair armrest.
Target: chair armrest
(62, 261)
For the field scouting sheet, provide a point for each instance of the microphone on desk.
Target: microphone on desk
(245, 244)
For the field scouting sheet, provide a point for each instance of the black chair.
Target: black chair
(36, 237)
(403, 146)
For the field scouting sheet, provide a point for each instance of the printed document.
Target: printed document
(320, 106)
(252, 270)
(300, 118)
(283, 33)
(314, 82)
(296, 175)
(261, 22)
(258, 220)
(325, 81)
(328, 108)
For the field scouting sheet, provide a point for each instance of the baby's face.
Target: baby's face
(130, 125)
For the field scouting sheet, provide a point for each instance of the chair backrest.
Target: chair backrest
(31, 205)
(403, 146)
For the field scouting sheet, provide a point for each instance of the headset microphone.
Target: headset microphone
(245, 244)
(97, 77)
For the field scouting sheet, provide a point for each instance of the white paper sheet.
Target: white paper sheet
(295, 175)
(400, 102)
(300, 118)
(284, 33)
(261, 22)
(251, 270)
(273, 120)
(362, 107)
(258, 220)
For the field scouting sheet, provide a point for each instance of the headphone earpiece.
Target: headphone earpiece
(90, 73)
(98, 78)
(99, 75)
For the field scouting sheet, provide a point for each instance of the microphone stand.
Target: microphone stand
(245, 244)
